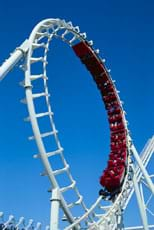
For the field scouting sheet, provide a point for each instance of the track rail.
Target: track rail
(36, 89)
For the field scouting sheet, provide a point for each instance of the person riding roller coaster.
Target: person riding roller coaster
(106, 195)
(113, 176)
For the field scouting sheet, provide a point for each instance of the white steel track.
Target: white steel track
(49, 29)
(36, 36)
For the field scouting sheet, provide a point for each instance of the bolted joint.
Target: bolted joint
(55, 195)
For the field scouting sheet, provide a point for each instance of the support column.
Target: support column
(143, 169)
(119, 220)
(55, 205)
(140, 203)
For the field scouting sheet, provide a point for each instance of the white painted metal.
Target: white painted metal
(140, 203)
(15, 57)
(44, 155)
(139, 228)
(145, 156)
(143, 169)
(85, 215)
(55, 205)
(35, 37)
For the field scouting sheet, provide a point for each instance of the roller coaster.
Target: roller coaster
(126, 171)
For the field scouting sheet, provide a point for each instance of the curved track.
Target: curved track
(116, 177)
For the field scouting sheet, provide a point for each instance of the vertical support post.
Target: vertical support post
(144, 171)
(142, 195)
(120, 224)
(55, 205)
(140, 203)
(119, 220)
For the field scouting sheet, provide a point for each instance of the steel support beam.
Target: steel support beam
(140, 203)
(143, 169)
(55, 205)
(139, 227)
(14, 58)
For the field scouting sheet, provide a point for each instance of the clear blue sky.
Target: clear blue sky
(124, 33)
